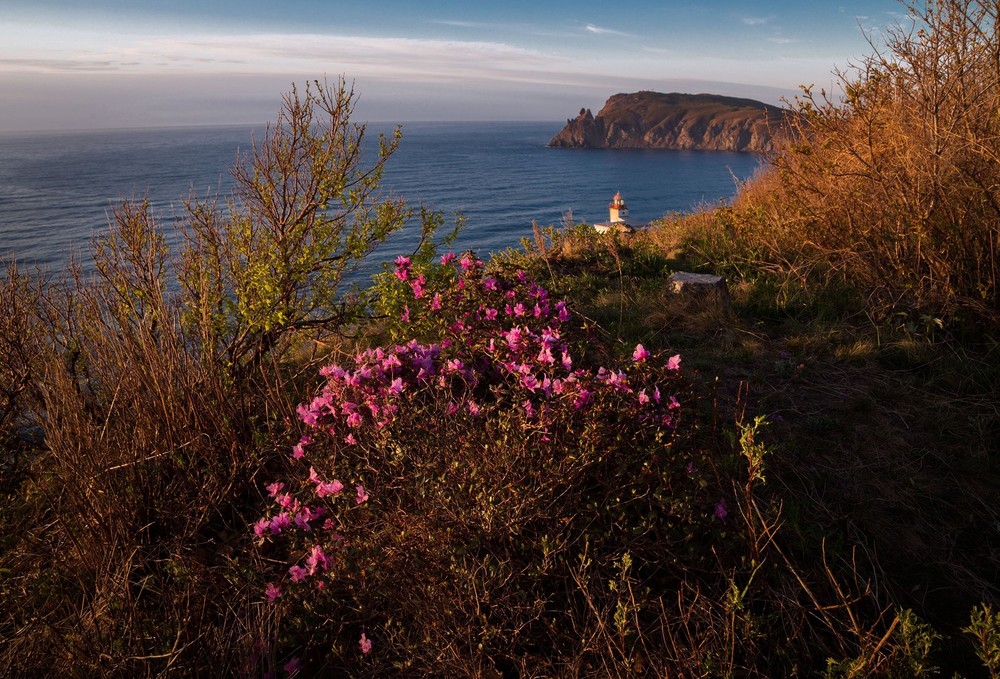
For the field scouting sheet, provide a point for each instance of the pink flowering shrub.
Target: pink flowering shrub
(493, 465)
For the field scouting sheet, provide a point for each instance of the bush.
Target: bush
(160, 387)
(891, 185)
(465, 500)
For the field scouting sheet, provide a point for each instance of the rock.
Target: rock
(652, 120)
(701, 285)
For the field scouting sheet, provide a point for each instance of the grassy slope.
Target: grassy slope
(885, 445)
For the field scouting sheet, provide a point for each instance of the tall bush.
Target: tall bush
(159, 388)
(893, 183)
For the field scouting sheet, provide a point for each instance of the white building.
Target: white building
(617, 217)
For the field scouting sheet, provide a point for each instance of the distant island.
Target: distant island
(652, 120)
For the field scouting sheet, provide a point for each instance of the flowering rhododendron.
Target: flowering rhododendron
(468, 370)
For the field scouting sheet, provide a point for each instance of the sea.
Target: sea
(57, 189)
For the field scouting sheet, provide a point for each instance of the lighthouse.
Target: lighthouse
(617, 217)
(618, 210)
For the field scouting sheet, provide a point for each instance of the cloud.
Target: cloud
(460, 24)
(55, 65)
(422, 59)
(782, 41)
(599, 30)
(755, 21)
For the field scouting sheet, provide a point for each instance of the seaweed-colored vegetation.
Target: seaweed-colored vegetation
(216, 462)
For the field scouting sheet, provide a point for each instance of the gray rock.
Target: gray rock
(703, 285)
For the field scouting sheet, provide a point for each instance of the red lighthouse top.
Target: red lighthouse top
(618, 202)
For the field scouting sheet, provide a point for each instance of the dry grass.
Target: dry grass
(892, 191)
(883, 444)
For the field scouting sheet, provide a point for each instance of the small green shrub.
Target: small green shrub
(984, 627)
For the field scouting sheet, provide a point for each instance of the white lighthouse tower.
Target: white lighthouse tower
(617, 217)
(618, 210)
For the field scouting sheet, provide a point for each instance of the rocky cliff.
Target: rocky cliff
(651, 120)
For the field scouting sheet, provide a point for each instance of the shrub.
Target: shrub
(160, 387)
(466, 499)
(891, 183)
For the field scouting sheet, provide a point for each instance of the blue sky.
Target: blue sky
(66, 64)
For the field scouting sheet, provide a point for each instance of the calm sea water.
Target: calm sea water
(56, 190)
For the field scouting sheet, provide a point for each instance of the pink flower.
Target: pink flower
(261, 527)
(405, 316)
(447, 258)
(362, 495)
(674, 362)
(489, 283)
(563, 315)
(567, 360)
(316, 560)
(334, 371)
(324, 488)
(466, 262)
(293, 666)
(350, 440)
(302, 520)
(299, 450)
(280, 522)
(402, 268)
(418, 286)
(529, 409)
(272, 593)
(436, 302)
(640, 353)
(354, 420)
(275, 488)
(365, 644)
(618, 380)
(298, 573)
(307, 415)
(643, 398)
(491, 314)
(514, 338)
(721, 511)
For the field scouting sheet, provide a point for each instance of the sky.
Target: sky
(70, 64)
